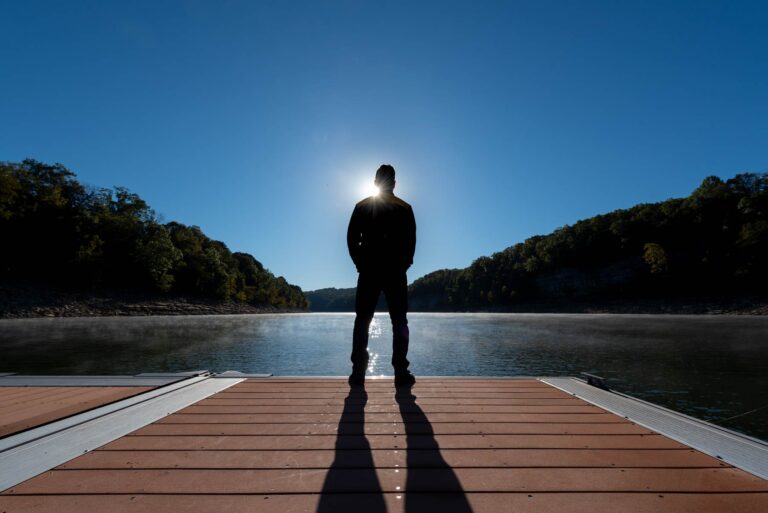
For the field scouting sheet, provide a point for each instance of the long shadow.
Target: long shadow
(352, 470)
(427, 470)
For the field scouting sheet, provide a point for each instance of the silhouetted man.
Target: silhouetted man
(382, 240)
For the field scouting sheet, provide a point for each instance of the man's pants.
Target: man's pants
(369, 287)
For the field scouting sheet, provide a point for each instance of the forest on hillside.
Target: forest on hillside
(337, 300)
(57, 232)
(710, 244)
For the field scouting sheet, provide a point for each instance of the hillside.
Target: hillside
(709, 247)
(63, 239)
(336, 300)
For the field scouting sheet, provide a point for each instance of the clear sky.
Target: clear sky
(263, 122)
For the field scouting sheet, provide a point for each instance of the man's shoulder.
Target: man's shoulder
(363, 203)
(400, 202)
(394, 201)
(390, 199)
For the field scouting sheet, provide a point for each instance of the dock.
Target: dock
(233, 443)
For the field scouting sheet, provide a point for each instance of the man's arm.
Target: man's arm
(353, 238)
(410, 236)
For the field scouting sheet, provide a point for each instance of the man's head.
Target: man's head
(385, 178)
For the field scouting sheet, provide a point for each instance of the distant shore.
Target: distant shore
(28, 302)
(690, 306)
(671, 306)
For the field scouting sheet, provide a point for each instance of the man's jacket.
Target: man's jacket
(382, 234)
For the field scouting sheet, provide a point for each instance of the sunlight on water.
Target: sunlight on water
(373, 360)
(374, 330)
(374, 365)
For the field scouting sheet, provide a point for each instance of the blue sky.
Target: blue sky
(262, 122)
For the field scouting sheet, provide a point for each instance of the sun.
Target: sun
(369, 189)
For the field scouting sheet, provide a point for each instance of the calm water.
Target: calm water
(711, 367)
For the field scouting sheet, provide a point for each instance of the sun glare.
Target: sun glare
(370, 189)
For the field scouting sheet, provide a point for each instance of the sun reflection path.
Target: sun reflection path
(373, 358)
(374, 331)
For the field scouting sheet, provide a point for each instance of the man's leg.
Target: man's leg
(396, 292)
(368, 290)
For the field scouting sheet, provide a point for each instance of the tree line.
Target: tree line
(712, 243)
(59, 232)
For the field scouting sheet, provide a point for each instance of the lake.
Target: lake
(710, 367)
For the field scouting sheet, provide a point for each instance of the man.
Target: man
(382, 240)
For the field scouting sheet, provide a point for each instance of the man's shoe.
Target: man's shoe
(404, 379)
(356, 380)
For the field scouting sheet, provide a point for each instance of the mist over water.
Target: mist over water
(711, 367)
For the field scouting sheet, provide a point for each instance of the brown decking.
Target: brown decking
(451, 445)
(23, 408)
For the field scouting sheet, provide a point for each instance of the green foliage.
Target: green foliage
(156, 254)
(714, 241)
(56, 231)
(337, 300)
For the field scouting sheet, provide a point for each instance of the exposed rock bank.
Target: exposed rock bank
(20, 302)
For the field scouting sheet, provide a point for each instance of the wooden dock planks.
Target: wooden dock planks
(450, 445)
(23, 408)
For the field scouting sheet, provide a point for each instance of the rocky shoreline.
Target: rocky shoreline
(25, 302)
(690, 306)
(29, 302)
(743, 305)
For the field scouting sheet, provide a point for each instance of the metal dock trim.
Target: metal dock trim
(739, 450)
(50, 428)
(140, 380)
(32, 452)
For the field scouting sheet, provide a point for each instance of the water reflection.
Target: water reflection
(706, 366)
(374, 329)
(374, 332)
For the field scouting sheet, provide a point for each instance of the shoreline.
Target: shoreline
(746, 307)
(30, 302)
